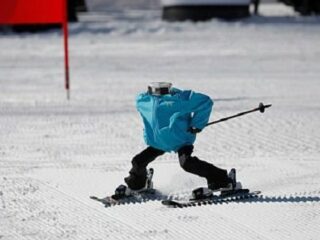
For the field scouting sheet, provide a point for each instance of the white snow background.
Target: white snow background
(55, 153)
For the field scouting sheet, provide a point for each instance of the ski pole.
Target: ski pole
(261, 109)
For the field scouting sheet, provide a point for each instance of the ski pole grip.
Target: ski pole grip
(262, 107)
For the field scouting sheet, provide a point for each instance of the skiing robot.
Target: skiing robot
(172, 118)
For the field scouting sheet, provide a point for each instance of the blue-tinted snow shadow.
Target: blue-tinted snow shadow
(283, 20)
(282, 199)
(258, 199)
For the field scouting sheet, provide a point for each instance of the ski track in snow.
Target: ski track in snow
(55, 153)
(39, 211)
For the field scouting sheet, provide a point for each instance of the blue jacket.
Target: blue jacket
(167, 118)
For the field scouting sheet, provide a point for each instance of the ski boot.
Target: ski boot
(232, 176)
(231, 186)
(227, 185)
(124, 191)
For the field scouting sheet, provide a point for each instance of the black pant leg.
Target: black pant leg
(138, 172)
(201, 168)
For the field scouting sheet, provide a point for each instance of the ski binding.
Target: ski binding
(205, 196)
(124, 195)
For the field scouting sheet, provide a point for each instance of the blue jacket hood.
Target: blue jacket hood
(167, 118)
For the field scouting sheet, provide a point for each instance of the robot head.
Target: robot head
(159, 88)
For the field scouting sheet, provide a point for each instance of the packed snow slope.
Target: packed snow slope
(55, 153)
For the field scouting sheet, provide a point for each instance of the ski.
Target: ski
(224, 197)
(141, 197)
(122, 196)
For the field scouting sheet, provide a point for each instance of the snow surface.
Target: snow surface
(55, 153)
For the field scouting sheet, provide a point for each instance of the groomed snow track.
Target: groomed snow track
(39, 211)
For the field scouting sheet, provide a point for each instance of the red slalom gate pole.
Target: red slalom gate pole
(26, 12)
(66, 50)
